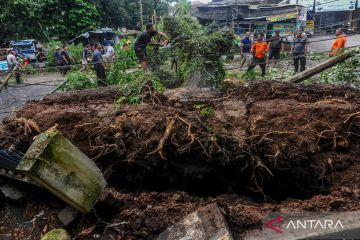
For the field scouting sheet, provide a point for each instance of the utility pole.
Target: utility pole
(234, 14)
(141, 13)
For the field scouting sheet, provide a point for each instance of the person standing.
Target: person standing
(245, 48)
(40, 56)
(259, 48)
(299, 50)
(84, 56)
(276, 46)
(110, 53)
(13, 64)
(97, 59)
(59, 60)
(339, 42)
(66, 60)
(143, 41)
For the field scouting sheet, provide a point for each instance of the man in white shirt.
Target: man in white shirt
(13, 64)
(110, 53)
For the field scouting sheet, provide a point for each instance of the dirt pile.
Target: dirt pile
(266, 141)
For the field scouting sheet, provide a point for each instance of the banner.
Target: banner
(283, 16)
(310, 25)
(334, 5)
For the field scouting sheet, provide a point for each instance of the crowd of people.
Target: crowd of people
(98, 55)
(255, 51)
(92, 54)
(259, 52)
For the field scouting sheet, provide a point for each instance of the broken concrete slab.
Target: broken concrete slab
(12, 193)
(57, 234)
(68, 215)
(56, 164)
(204, 224)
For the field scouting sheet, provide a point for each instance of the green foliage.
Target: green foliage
(343, 73)
(183, 8)
(77, 80)
(278, 74)
(204, 110)
(75, 52)
(46, 19)
(131, 89)
(199, 50)
(125, 13)
(125, 59)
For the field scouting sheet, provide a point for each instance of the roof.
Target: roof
(227, 3)
(22, 42)
(262, 11)
(96, 31)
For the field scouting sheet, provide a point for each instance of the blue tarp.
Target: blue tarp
(3, 66)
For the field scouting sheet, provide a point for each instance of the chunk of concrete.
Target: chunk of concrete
(57, 234)
(206, 223)
(56, 164)
(12, 193)
(68, 215)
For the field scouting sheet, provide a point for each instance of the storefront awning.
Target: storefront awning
(282, 17)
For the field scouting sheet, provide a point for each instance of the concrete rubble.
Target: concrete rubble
(68, 215)
(205, 224)
(11, 193)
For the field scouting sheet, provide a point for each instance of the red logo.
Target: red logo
(275, 224)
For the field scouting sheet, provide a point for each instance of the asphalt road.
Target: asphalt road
(33, 88)
(320, 43)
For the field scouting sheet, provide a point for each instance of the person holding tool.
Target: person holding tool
(259, 49)
(299, 50)
(339, 42)
(143, 41)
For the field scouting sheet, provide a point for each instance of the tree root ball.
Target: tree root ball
(273, 140)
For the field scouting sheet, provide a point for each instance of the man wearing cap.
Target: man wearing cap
(13, 64)
(299, 50)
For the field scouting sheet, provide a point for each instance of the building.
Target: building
(253, 15)
(328, 15)
(105, 36)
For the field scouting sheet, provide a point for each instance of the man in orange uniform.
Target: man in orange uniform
(339, 43)
(259, 48)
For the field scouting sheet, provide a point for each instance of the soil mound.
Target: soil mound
(266, 141)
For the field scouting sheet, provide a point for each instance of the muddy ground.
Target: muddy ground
(258, 148)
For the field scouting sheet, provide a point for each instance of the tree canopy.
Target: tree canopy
(46, 19)
(64, 19)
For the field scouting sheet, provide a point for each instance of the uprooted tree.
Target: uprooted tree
(199, 50)
(278, 139)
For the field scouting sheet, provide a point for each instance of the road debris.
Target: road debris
(56, 164)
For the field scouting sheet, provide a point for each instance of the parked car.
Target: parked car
(27, 48)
